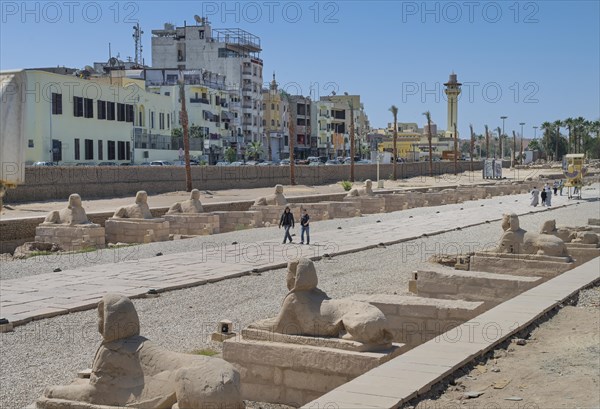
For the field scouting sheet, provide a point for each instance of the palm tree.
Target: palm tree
(351, 105)
(548, 130)
(429, 137)
(570, 124)
(581, 130)
(186, 135)
(479, 142)
(557, 124)
(254, 150)
(471, 145)
(487, 142)
(394, 111)
(501, 145)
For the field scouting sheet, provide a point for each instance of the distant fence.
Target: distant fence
(57, 183)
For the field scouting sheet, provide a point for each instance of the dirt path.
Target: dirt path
(557, 367)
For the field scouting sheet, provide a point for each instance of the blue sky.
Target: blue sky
(531, 61)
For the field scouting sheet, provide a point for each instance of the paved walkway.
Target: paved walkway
(50, 294)
(414, 372)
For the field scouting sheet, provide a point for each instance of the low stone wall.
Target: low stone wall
(236, 220)
(55, 183)
(490, 288)
(415, 320)
(200, 224)
(136, 230)
(72, 238)
(582, 253)
(368, 204)
(294, 374)
(520, 264)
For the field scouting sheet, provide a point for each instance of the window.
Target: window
(201, 34)
(121, 146)
(77, 157)
(30, 143)
(101, 108)
(120, 112)
(140, 117)
(77, 106)
(111, 150)
(264, 122)
(100, 150)
(129, 113)
(110, 111)
(272, 122)
(88, 108)
(56, 104)
(272, 106)
(168, 121)
(152, 119)
(161, 121)
(89, 149)
(128, 150)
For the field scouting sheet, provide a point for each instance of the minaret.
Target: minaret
(452, 91)
(273, 86)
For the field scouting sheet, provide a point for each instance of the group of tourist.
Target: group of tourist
(546, 193)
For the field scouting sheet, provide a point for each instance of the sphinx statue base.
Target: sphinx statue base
(136, 230)
(72, 238)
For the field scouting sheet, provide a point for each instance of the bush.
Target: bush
(346, 184)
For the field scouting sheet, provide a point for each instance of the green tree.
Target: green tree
(230, 154)
(254, 150)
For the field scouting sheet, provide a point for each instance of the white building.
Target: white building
(70, 119)
(233, 53)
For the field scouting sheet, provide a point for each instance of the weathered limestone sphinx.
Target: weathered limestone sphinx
(276, 199)
(536, 254)
(308, 311)
(70, 228)
(583, 244)
(187, 217)
(130, 371)
(366, 199)
(135, 224)
(314, 345)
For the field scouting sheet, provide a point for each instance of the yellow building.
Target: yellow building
(275, 121)
(405, 147)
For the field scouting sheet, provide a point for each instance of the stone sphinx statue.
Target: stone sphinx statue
(518, 241)
(307, 310)
(276, 199)
(139, 210)
(71, 215)
(130, 371)
(192, 205)
(367, 190)
(582, 235)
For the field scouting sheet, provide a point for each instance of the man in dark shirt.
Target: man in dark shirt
(287, 221)
(304, 222)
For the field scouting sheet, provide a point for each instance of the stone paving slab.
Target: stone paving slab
(445, 354)
(181, 270)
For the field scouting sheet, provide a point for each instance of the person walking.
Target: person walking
(555, 187)
(544, 195)
(548, 196)
(287, 221)
(305, 227)
(561, 185)
(535, 197)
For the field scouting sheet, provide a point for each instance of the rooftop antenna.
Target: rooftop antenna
(137, 36)
(199, 19)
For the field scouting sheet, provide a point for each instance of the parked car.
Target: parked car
(363, 162)
(251, 163)
(145, 164)
(125, 164)
(311, 159)
(108, 164)
(332, 162)
(317, 163)
(284, 162)
(223, 163)
(86, 164)
(193, 162)
(43, 164)
(161, 163)
(238, 163)
(266, 163)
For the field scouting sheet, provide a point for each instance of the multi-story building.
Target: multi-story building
(74, 119)
(300, 127)
(322, 127)
(275, 122)
(233, 53)
(213, 126)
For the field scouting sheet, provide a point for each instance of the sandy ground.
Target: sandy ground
(557, 367)
(33, 209)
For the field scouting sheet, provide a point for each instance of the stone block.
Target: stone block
(193, 224)
(72, 238)
(520, 264)
(136, 230)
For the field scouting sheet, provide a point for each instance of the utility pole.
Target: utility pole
(186, 134)
(455, 150)
(514, 154)
(351, 104)
(291, 144)
(471, 145)
(521, 156)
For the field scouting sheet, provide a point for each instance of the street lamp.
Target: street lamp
(501, 136)
(521, 123)
(535, 132)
